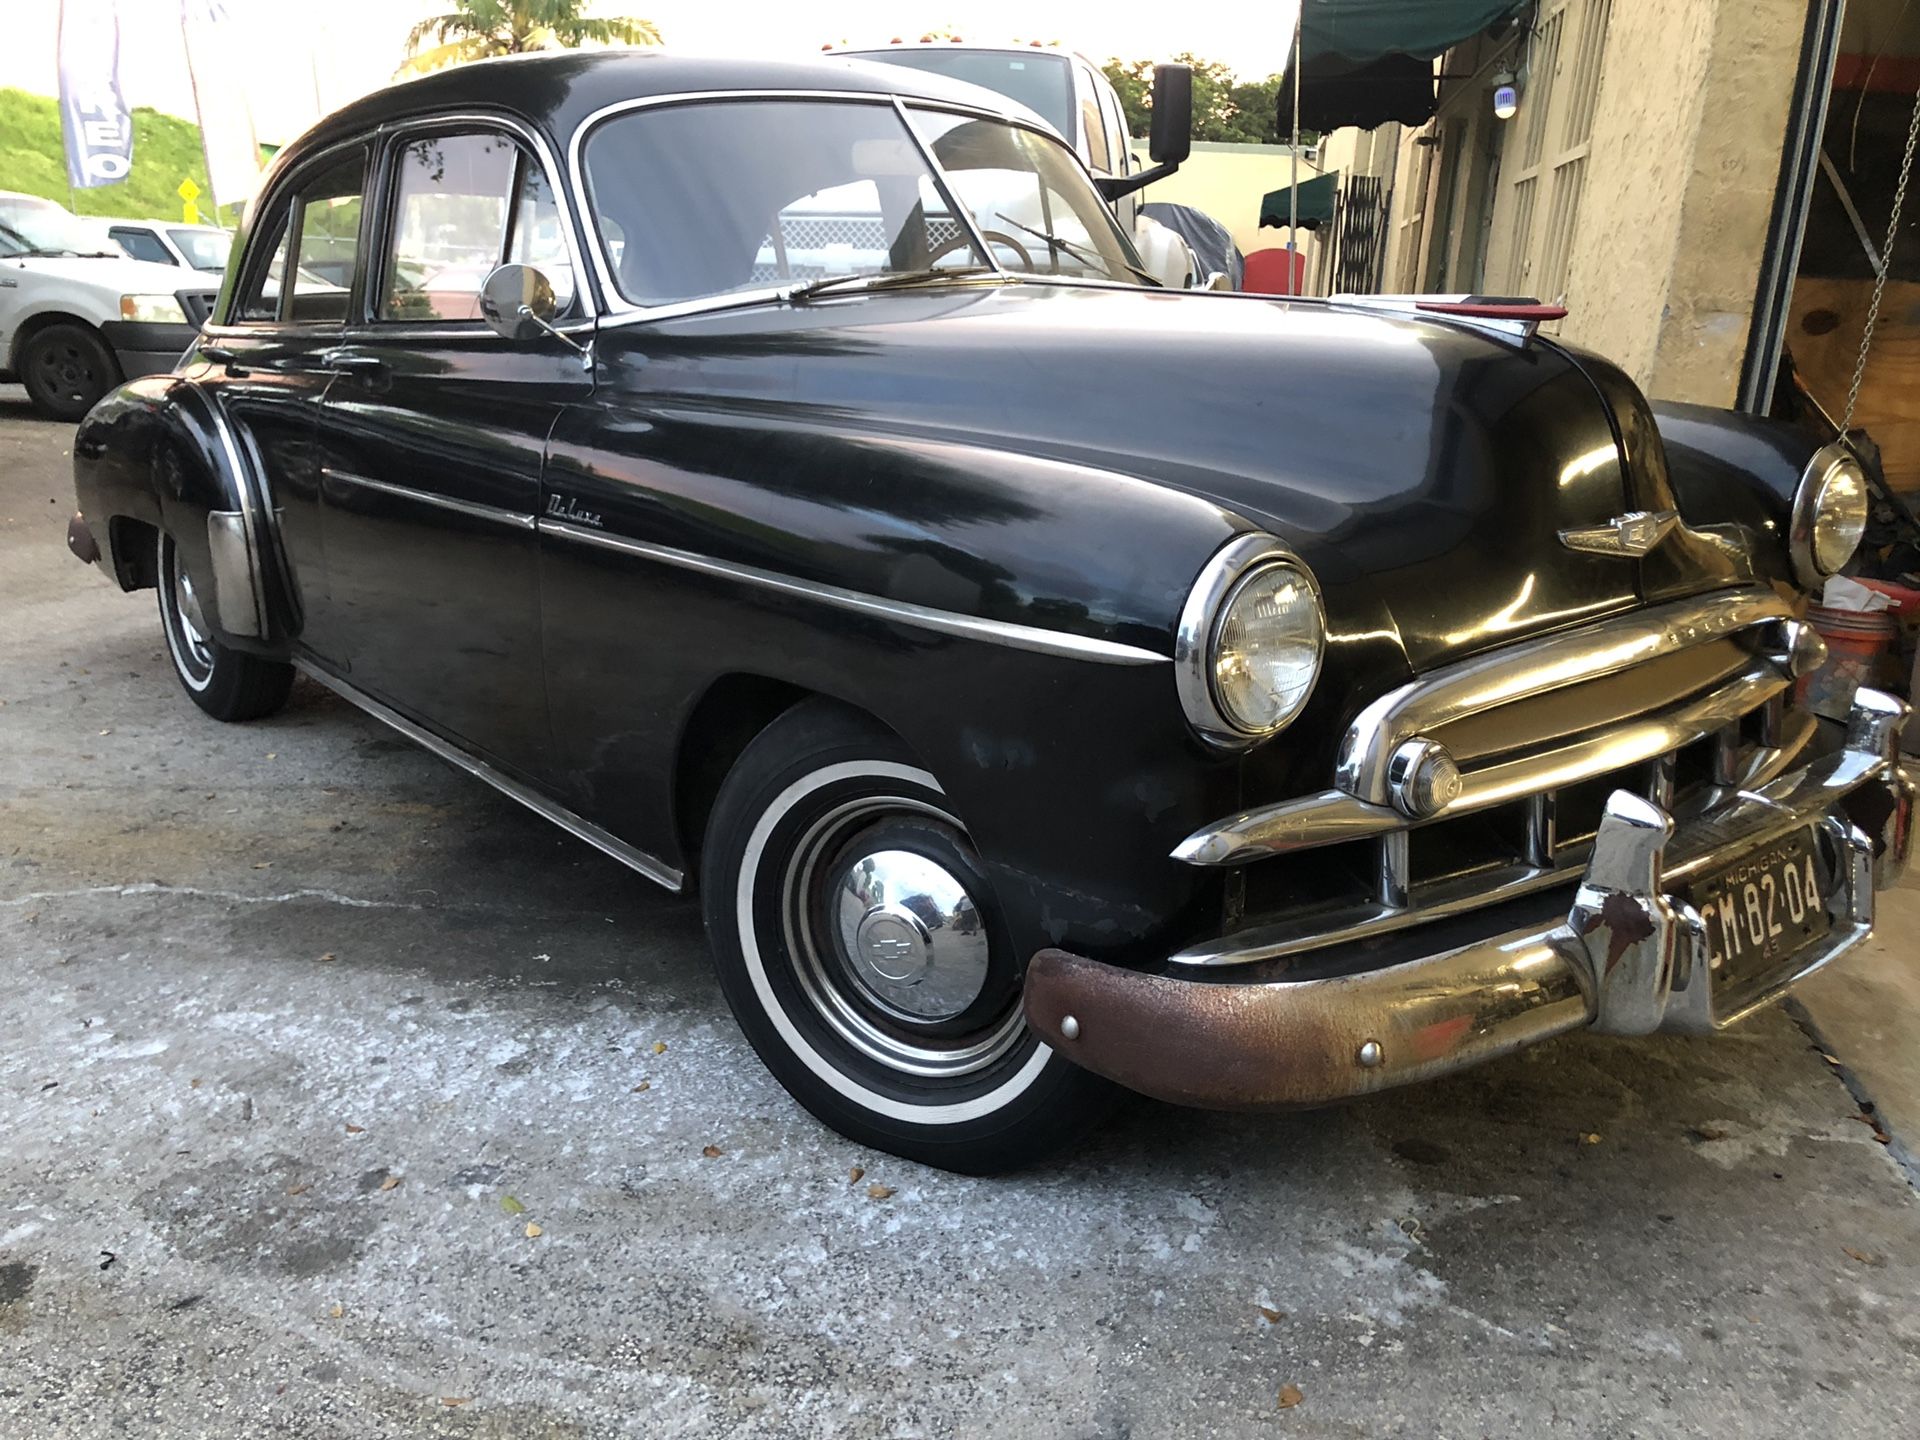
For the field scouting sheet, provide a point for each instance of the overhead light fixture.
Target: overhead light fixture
(1506, 95)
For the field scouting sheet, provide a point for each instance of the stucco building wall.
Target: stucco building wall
(1687, 136)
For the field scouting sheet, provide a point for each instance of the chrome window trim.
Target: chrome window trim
(900, 612)
(961, 212)
(618, 310)
(634, 858)
(392, 132)
(1813, 481)
(1226, 569)
(473, 508)
(367, 140)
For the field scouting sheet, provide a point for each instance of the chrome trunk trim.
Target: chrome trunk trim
(635, 859)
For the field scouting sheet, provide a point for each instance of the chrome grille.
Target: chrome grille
(1688, 702)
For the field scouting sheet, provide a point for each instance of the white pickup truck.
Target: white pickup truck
(77, 318)
(1069, 92)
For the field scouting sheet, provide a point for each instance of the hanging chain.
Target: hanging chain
(1886, 264)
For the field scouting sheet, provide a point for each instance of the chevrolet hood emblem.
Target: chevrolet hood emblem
(1630, 535)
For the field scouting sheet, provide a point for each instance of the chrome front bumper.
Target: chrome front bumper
(1631, 957)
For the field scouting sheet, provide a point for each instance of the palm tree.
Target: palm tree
(477, 29)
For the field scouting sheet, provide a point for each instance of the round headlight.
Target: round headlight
(1829, 515)
(1251, 641)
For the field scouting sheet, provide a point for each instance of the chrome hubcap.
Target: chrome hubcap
(189, 620)
(911, 934)
(890, 945)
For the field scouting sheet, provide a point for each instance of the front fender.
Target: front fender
(1741, 471)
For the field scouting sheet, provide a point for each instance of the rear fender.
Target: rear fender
(161, 452)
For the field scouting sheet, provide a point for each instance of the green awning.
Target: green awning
(1316, 202)
(1360, 31)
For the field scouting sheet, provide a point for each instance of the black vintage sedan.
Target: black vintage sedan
(775, 475)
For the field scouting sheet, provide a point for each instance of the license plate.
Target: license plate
(1763, 907)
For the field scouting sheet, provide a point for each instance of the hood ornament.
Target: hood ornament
(1629, 536)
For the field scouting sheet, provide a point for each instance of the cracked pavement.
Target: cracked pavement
(249, 975)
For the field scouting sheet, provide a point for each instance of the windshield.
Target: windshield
(1026, 194)
(1042, 81)
(204, 249)
(40, 227)
(707, 198)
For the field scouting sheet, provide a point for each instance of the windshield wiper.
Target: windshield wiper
(884, 280)
(1086, 257)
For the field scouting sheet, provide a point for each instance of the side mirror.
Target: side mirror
(517, 302)
(1170, 140)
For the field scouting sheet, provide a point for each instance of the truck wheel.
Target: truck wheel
(66, 368)
(227, 684)
(858, 941)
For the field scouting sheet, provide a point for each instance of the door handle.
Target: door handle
(348, 362)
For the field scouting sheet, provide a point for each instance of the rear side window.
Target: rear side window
(462, 203)
(312, 234)
(141, 244)
(327, 241)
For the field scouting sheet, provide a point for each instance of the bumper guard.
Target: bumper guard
(1631, 957)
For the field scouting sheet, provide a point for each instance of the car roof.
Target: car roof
(555, 91)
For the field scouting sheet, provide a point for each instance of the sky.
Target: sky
(315, 55)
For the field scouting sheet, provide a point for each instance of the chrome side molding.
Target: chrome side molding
(900, 612)
(634, 859)
(473, 509)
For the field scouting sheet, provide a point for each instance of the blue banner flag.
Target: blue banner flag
(93, 113)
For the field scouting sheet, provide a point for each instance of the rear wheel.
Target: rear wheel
(858, 940)
(66, 368)
(228, 684)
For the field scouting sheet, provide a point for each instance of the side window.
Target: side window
(1116, 131)
(141, 244)
(535, 237)
(327, 242)
(1099, 159)
(462, 203)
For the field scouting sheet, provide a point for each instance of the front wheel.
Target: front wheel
(228, 684)
(858, 941)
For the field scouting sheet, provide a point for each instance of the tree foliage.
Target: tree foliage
(480, 29)
(1225, 108)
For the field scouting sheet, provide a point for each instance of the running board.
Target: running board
(654, 870)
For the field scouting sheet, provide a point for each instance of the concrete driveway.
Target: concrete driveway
(339, 1096)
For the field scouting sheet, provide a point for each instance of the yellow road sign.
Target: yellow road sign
(188, 193)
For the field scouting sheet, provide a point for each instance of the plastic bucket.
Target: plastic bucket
(1856, 642)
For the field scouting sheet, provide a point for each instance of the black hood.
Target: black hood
(1424, 470)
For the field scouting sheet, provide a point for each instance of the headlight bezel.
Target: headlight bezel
(1803, 537)
(153, 309)
(1221, 581)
